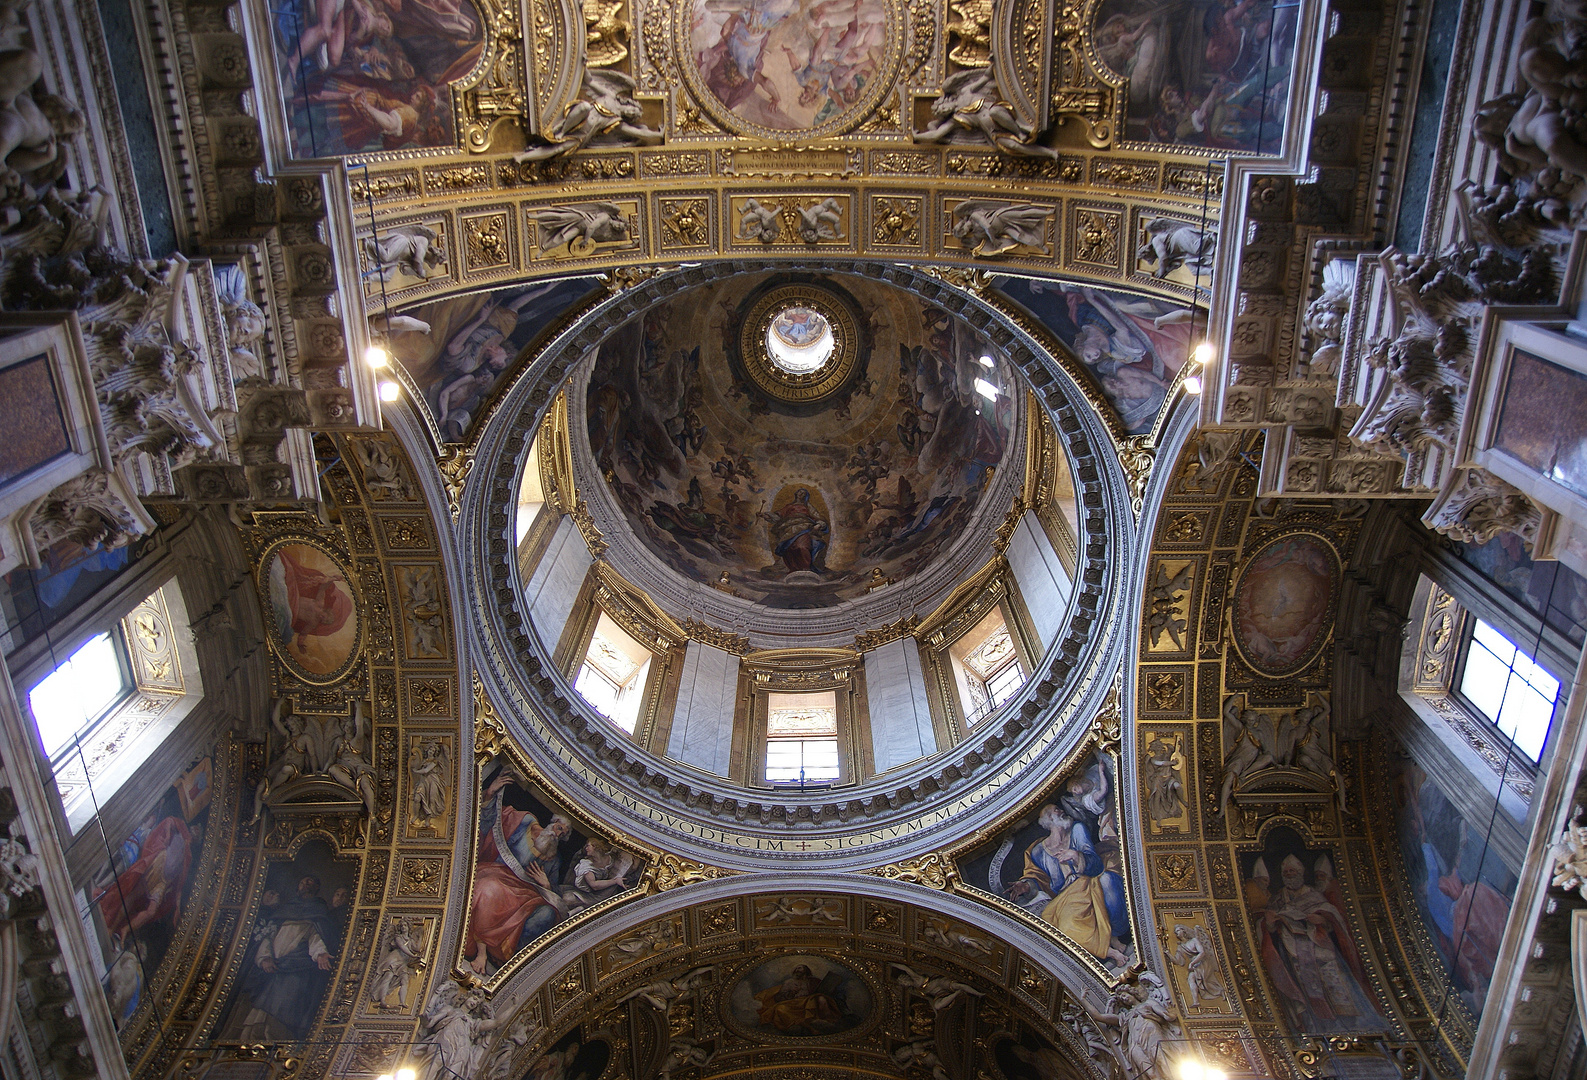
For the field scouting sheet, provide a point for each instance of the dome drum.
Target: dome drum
(716, 816)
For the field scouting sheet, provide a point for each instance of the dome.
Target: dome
(798, 442)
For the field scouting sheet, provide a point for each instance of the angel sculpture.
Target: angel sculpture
(940, 990)
(919, 1054)
(1197, 956)
(606, 110)
(522, 1031)
(408, 249)
(989, 227)
(972, 103)
(681, 1054)
(1570, 857)
(1252, 740)
(757, 222)
(430, 784)
(382, 471)
(581, 227)
(647, 940)
(295, 759)
(1312, 743)
(1146, 1025)
(400, 960)
(944, 936)
(348, 766)
(452, 1039)
(1172, 244)
(821, 221)
(663, 994)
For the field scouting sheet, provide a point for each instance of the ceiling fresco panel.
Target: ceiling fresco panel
(1202, 73)
(467, 344)
(369, 75)
(1132, 345)
(1288, 826)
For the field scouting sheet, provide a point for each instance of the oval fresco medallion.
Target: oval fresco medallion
(798, 996)
(775, 67)
(313, 610)
(1283, 603)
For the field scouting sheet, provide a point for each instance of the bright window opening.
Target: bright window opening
(1507, 687)
(986, 666)
(531, 494)
(799, 340)
(802, 738)
(73, 698)
(613, 676)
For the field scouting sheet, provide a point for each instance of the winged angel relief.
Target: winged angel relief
(333, 748)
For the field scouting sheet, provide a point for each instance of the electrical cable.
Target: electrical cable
(1457, 940)
(110, 860)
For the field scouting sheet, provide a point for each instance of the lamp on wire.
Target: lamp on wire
(401, 1074)
(1200, 357)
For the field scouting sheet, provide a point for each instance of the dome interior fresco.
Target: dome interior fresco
(792, 502)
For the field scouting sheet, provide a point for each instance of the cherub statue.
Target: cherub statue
(971, 102)
(295, 759)
(1570, 857)
(348, 766)
(606, 110)
(757, 222)
(822, 221)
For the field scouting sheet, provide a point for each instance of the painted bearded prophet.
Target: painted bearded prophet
(1071, 871)
(532, 870)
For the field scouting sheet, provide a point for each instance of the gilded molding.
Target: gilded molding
(490, 733)
(455, 464)
(670, 872)
(934, 870)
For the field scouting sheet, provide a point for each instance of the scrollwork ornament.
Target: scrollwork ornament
(934, 870)
(1109, 722)
(455, 465)
(490, 733)
(673, 872)
(1137, 457)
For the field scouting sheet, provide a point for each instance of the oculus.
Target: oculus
(801, 344)
(800, 341)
